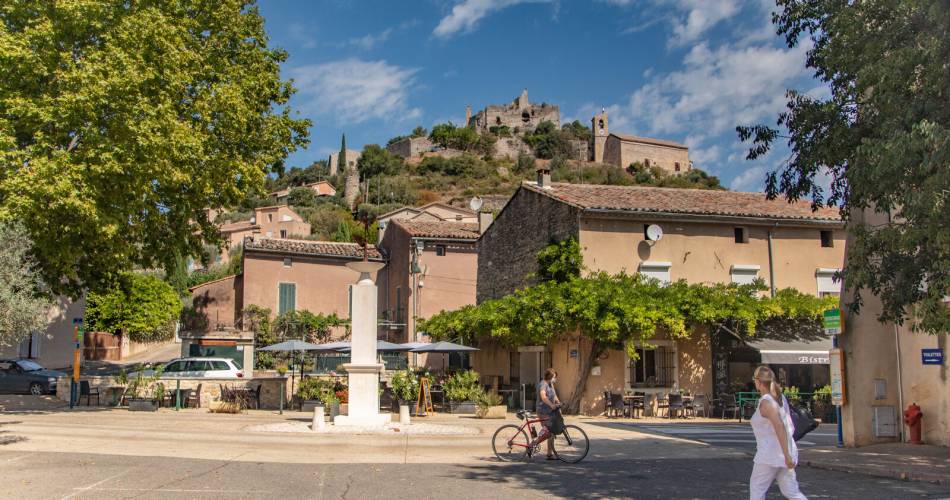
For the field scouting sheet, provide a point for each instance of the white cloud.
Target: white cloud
(752, 179)
(302, 35)
(701, 15)
(466, 14)
(371, 40)
(353, 90)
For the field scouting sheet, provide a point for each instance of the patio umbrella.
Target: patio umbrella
(333, 346)
(444, 348)
(292, 346)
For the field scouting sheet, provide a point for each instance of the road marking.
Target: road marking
(164, 490)
(14, 459)
(717, 440)
(91, 486)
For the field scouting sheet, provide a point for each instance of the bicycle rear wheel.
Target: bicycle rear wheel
(572, 445)
(510, 443)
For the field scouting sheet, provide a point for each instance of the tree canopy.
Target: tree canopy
(142, 305)
(882, 137)
(122, 122)
(23, 308)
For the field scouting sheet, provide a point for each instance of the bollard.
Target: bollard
(318, 415)
(404, 414)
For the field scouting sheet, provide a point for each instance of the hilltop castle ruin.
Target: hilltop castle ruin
(519, 114)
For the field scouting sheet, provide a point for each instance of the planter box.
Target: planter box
(463, 407)
(500, 411)
(143, 405)
(224, 407)
(307, 406)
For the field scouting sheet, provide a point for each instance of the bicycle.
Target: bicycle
(510, 442)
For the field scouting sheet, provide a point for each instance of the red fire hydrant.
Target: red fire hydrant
(912, 417)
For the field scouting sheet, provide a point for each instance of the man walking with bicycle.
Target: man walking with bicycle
(547, 407)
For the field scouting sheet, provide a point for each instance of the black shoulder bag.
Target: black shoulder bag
(801, 419)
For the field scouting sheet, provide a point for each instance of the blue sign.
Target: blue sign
(931, 356)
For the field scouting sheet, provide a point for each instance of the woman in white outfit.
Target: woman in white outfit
(776, 454)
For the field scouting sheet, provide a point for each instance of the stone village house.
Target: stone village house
(709, 237)
(277, 221)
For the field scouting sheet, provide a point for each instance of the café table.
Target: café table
(631, 401)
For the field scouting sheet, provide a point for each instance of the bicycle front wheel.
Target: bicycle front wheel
(510, 443)
(572, 445)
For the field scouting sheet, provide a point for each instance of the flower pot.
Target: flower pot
(462, 407)
(344, 409)
(404, 414)
(499, 411)
(413, 405)
(143, 405)
(307, 406)
(334, 410)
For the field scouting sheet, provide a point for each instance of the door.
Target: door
(530, 373)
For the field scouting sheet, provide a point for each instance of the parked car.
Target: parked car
(200, 368)
(25, 376)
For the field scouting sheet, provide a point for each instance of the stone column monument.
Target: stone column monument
(364, 369)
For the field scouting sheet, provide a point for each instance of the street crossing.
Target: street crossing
(734, 435)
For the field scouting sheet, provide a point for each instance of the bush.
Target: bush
(405, 386)
(315, 389)
(462, 386)
(487, 399)
(143, 306)
(549, 142)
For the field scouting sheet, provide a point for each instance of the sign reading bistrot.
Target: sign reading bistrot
(831, 319)
(931, 356)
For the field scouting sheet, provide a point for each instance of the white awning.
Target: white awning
(776, 352)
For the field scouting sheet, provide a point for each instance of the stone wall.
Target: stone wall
(410, 147)
(511, 147)
(622, 153)
(508, 250)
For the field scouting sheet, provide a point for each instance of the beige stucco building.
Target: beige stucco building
(708, 237)
(885, 373)
(319, 188)
(622, 150)
(277, 221)
(434, 212)
(52, 348)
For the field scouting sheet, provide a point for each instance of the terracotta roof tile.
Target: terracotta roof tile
(683, 201)
(238, 226)
(350, 251)
(649, 140)
(439, 229)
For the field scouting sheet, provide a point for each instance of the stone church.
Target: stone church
(519, 114)
(621, 150)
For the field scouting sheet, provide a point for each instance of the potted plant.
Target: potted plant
(281, 370)
(489, 405)
(821, 406)
(330, 401)
(343, 394)
(232, 401)
(461, 389)
(138, 391)
(405, 388)
(310, 392)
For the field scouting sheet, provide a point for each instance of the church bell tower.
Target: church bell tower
(599, 130)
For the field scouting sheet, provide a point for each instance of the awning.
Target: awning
(777, 352)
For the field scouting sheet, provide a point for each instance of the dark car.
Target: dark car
(24, 376)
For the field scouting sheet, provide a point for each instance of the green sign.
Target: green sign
(831, 319)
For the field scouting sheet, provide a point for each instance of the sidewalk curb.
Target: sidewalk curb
(890, 474)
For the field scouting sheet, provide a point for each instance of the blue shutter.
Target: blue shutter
(287, 300)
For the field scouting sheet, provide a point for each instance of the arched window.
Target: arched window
(525, 117)
(497, 120)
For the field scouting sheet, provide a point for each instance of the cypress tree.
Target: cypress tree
(341, 159)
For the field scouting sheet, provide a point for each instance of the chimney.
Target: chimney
(544, 177)
(484, 221)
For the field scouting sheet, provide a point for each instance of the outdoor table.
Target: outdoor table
(629, 400)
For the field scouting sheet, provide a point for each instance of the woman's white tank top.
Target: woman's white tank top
(768, 450)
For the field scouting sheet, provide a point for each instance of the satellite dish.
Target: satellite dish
(654, 232)
(475, 204)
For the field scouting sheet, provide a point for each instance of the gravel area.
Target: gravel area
(391, 429)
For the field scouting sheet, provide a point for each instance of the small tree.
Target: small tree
(141, 305)
(341, 158)
(23, 306)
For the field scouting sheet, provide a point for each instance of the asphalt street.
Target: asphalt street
(94, 476)
(729, 434)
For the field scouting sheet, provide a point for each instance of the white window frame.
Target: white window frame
(825, 281)
(744, 274)
(656, 269)
(652, 344)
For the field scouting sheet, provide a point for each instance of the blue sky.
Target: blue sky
(684, 70)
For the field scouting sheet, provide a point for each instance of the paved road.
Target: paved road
(733, 435)
(93, 476)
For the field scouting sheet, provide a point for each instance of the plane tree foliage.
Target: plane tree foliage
(881, 134)
(620, 311)
(141, 305)
(122, 122)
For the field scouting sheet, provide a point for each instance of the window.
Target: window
(219, 365)
(676, 166)
(270, 217)
(197, 366)
(440, 250)
(288, 262)
(287, 298)
(656, 270)
(497, 120)
(654, 367)
(741, 235)
(744, 274)
(283, 233)
(525, 117)
(827, 239)
(827, 284)
(177, 366)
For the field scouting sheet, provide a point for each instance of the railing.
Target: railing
(815, 402)
(332, 362)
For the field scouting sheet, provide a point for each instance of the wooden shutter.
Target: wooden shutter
(287, 300)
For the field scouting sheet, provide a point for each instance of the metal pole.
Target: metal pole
(282, 395)
(771, 267)
(900, 382)
(177, 395)
(834, 343)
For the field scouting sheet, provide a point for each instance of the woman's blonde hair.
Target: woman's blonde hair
(765, 375)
